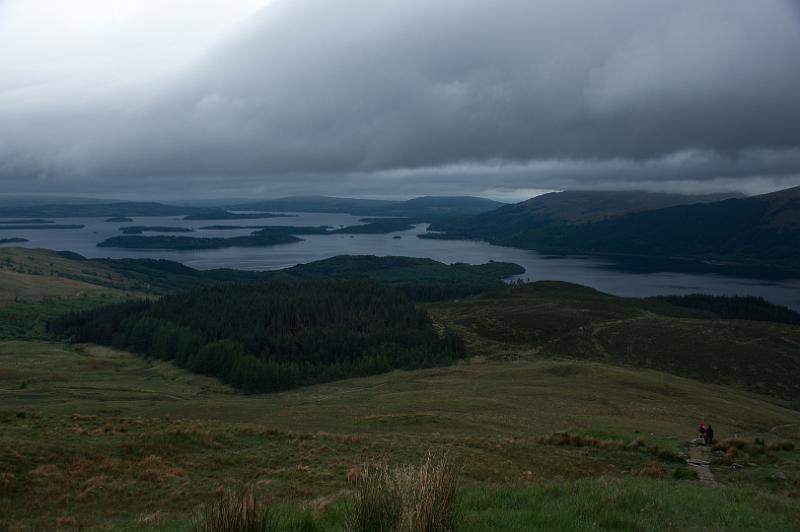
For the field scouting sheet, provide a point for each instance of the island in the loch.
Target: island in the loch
(139, 229)
(269, 236)
(264, 236)
(377, 226)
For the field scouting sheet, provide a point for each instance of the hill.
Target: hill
(546, 432)
(688, 336)
(761, 231)
(94, 209)
(564, 207)
(98, 438)
(554, 319)
(425, 208)
(273, 336)
(35, 274)
(420, 278)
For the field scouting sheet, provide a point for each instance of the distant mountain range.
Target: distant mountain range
(94, 210)
(423, 209)
(761, 232)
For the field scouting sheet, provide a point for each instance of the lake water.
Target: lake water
(592, 272)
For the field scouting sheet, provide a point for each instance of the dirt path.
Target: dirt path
(698, 463)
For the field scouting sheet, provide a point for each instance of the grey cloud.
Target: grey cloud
(389, 96)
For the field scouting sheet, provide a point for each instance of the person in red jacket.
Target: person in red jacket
(702, 429)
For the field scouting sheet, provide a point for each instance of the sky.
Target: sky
(499, 98)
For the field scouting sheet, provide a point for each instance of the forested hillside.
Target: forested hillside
(735, 307)
(275, 336)
(764, 230)
(420, 279)
(568, 207)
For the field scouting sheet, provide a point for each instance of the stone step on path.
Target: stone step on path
(699, 464)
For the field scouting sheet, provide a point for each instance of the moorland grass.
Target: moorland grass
(630, 504)
(110, 440)
(561, 320)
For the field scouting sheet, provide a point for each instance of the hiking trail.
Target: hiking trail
(699, 464)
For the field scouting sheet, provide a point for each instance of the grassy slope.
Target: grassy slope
(36, 285)
(31, 274)
(108, 439)
(102, 439)
(564, 320)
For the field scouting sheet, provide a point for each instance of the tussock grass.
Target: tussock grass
(780, 446)
(653, 470)
(570, 439)
(236, 510)
(732, 446)
(406, 499)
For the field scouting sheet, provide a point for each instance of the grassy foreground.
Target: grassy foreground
(100, 439)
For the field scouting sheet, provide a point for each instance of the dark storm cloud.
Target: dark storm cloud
(365, 96)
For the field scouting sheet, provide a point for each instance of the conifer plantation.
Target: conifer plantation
(273, 336)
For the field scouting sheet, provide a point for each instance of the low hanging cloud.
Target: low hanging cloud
(412, 96)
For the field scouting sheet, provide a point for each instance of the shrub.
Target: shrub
(732, 446)
(780, 446)
(653, 470)
(406, 499)
(235, 511)
(638, 443)
(377, 505)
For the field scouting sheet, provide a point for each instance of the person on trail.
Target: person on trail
(702, 429)
(709, 435)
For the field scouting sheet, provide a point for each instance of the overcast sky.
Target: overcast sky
(500, 98)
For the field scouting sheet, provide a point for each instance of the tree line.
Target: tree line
(736, 307)
(273, 336)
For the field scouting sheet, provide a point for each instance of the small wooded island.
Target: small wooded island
(139, 229)
(227, 215)
(264, 236)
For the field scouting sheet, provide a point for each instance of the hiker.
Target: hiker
(702, 429)
(709, 435)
